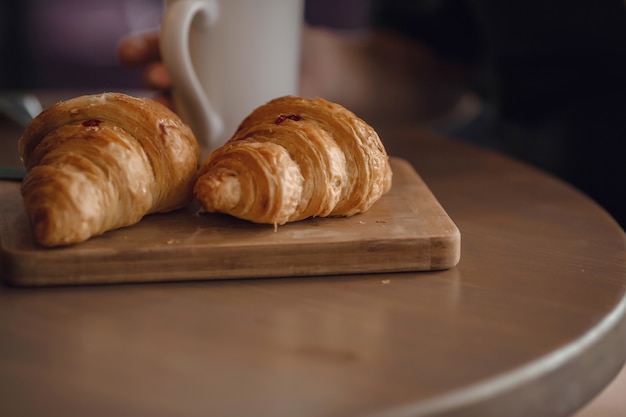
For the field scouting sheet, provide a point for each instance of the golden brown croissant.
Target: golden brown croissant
(295, 158)
(100, 162)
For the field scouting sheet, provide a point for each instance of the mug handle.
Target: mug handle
(192, 103)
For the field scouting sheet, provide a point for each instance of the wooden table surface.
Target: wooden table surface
(530, 323)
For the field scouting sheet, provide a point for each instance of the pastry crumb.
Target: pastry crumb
(385, 281)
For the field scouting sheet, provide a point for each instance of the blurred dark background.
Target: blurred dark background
(550, 74)
(70, 43)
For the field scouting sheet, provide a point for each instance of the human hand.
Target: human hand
(142, 51)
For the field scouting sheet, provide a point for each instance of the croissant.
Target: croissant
(295, 158)
(100, 162)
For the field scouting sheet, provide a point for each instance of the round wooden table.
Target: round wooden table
(530, 323)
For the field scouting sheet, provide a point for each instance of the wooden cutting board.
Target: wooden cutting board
(407, 230)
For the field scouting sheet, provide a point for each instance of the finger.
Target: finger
(156, 77)
(138, 50)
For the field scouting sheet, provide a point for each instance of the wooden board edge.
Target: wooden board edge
(156, 266)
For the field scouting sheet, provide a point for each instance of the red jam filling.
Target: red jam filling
(283, 117)
(91, 122)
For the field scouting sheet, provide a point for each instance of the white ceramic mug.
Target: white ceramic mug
(227, 57)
